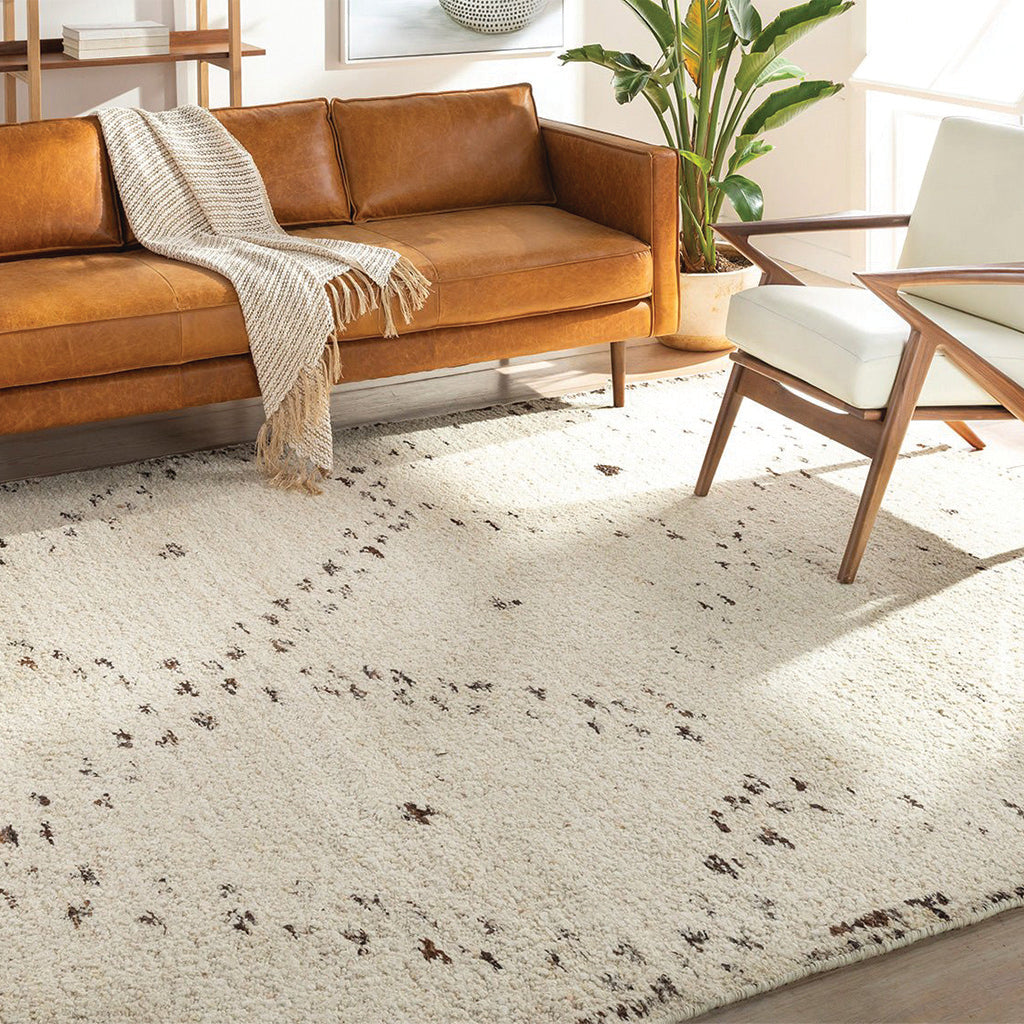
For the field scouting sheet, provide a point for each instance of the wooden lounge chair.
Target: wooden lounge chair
(942, 338)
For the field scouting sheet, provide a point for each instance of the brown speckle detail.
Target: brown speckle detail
(720, 866)
(360, 939)
(695, 939)
(78, 914)
(421, 815)
(489, 958)
(87, 875)
(933, 903)
(431, 952)
(152, 920)
(242, 920)
(770, 837)
(608, 470)
(871, 920)
(8, 835)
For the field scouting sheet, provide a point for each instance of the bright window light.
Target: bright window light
(947, 49)
(928, 60)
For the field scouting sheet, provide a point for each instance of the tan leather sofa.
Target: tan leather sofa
(535, 237)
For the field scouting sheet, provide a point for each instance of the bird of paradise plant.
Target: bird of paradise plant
(712, 64)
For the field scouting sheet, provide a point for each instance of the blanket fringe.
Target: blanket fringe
(351, 296)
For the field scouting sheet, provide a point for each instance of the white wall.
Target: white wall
(303, 59)
(818, 164)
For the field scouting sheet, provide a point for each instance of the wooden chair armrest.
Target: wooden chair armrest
(888, 285)
(774, 273)
(990, 273)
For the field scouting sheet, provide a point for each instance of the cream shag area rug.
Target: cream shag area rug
(506, 728)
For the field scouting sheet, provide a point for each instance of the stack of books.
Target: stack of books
(103, 42)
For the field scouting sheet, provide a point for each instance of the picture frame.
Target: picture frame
(375, 31)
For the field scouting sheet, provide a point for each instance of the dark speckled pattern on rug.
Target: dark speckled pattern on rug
(507, 727)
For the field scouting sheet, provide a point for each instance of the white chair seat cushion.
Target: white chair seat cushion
(848, 343)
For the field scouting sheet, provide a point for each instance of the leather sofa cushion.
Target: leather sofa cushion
(515, 261)
(431, 153)
(56, 193)
(849, 343)
(294, 147)
(83, 316)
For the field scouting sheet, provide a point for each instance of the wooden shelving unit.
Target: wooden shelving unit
(29, 59)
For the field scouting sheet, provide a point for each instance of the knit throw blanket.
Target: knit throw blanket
(191, 192)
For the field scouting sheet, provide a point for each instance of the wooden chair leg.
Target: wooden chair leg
(720, 435)
(910, 379)
(619, 373)
(961, 428)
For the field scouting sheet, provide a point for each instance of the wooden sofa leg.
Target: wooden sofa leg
(619, 373)
(723, 428)
(961, 428)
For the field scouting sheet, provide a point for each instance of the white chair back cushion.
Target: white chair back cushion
(971, 211)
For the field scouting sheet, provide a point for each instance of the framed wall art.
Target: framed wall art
(387, 29)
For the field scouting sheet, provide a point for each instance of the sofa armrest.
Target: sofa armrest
(627, 185)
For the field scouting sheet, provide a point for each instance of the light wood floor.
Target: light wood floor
(972, 975)
(975, 975)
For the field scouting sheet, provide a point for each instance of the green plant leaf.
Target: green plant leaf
(779, 34)
(745, 195)
(746, 22)
(660, 23)
(781, 107)
(658, 95)
(702, 163)
(631, 77)
(592, 53)
(797, 21)
(693, 31)
(780, 70)
(748, 149)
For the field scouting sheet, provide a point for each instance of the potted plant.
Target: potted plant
(711, 64)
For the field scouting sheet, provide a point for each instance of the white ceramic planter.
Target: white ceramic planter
(704, 308)
(493, 17)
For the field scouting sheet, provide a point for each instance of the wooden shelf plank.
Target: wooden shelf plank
(210, 45)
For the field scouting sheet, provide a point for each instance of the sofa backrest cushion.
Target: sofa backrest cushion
(969, 212)
(56, 192)
(432, 153)
(294, 147)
